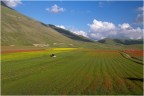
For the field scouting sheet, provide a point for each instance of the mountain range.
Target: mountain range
(20, 30)
(121, 41)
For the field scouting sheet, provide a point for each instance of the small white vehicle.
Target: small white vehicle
(52, 55)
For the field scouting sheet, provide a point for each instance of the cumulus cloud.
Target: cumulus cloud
(99, 26)
(141, 9)
(125, 26)
(12, 3)
(55, 9)
(130, 32)
(61, 26)
(100, 30)
(80, 32)
(74, 30)
(96, 36)
(139, 18)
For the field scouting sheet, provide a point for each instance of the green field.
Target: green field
(73, 71)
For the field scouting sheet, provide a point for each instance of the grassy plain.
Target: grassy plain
(73, 71)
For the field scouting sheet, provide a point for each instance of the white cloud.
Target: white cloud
(80, 32)
(141, 9)
(55, 9)
(61, 26)
(101, 30)
(133, 33)
(12, 3)
(99, 26)
(74, 30)
(139, 18)
(96, 36)
(77, 31)
(125, 26)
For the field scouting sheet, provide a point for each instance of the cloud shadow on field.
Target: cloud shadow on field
(135, 79)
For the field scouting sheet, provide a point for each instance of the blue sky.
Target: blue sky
(84, 16)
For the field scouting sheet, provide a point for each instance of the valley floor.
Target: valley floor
(72, 71)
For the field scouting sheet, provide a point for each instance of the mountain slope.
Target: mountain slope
(120, 41)
(18, 29)
(129, 42)
(69, 34)
(108, 41)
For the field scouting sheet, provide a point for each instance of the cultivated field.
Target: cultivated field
(73, 71)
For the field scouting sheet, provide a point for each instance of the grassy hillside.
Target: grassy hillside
(108, 41)
(129, 41)
(20, 30)
(121, 41)
(124, 43)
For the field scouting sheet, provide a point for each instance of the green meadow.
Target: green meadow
(72, 71)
